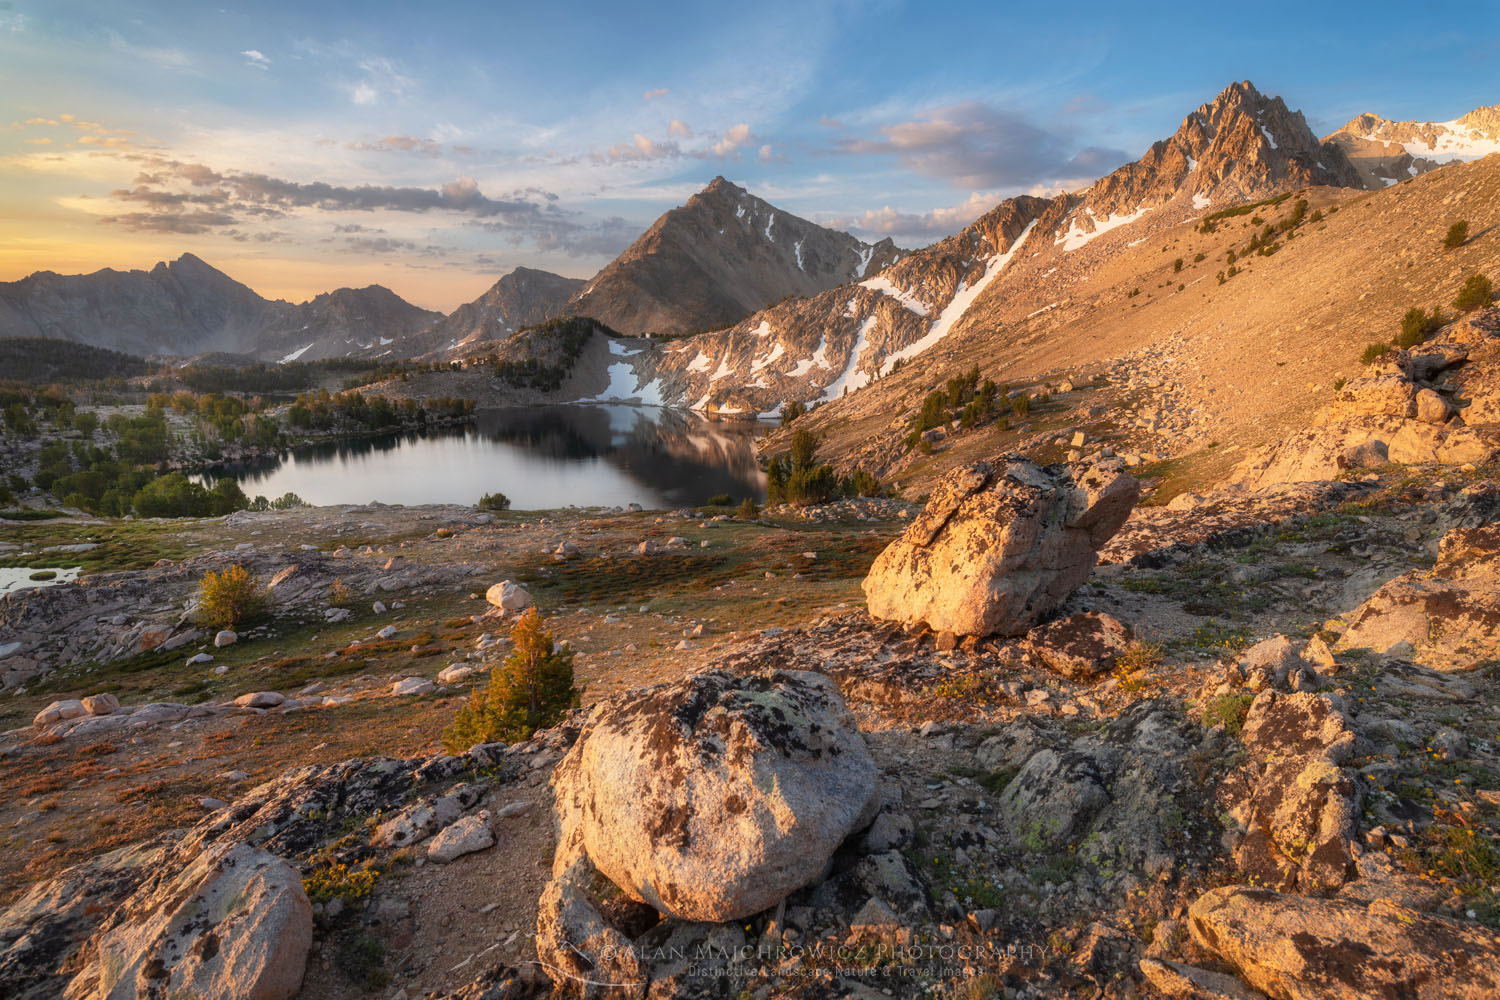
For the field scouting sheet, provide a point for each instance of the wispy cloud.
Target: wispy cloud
(652, 95)
(974, 145)
(256, 58)
(163, 57)
(923, 226)
(642, 148)
(400, 144)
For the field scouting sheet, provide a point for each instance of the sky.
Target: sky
(433, 147)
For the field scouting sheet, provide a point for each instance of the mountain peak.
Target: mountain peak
(721, 256)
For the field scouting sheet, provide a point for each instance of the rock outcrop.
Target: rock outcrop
(1434, 404)
(1446, 618)
(1000, 545)
(1298, 805)
(1304, 948)
(714, 797)
(235, 923)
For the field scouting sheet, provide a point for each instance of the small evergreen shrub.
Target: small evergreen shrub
(531, 690)
(1458, 235)
(1374, 352)
(791, 411)
(1476, 293)
(720, 500)
(230, 599)
(1417, 324)
(748, 509)
(494, 501)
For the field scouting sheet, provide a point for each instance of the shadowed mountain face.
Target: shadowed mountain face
(189, 307)
(184, 307)
(1385, 152)
(368, 321)
(524, 297)
(718, 258)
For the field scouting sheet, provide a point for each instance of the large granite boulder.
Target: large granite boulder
(1304, 948)
(1000, 545)
(233, 925)
(714, 797)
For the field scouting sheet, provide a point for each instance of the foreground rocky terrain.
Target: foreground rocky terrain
(1253, 754)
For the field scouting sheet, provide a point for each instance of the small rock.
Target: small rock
(260, 699)
(470, 834)
(413, 686)
(101, 704)
(68, 708)
(226, 637)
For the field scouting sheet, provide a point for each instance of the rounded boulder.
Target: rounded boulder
(715, 797)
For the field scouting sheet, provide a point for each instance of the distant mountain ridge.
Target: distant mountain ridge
(1385, 152)
(189, 307)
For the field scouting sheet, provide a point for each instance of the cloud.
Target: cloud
(382, 79)
(736, 136)
(400, 144)
(643, 149)
(176, 197)
(388, 245)
(931, 225)
(652, 95)
(973, 145)
(640, 148)
(256, 58)
(166, 58)
(187, 223)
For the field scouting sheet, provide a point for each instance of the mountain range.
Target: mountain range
(788, 308)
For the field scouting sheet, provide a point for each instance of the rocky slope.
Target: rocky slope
(717, 258)
(524, 297)
(1385, 152)
(189, 307)
(1239, 147)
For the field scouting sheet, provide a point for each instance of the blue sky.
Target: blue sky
(432, 147)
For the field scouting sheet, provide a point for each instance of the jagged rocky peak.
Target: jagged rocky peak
(719, 257)
(1385, 151)
(1241, 145)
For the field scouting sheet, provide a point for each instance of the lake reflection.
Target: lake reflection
(540, 457)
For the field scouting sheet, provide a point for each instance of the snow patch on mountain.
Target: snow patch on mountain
(853, 376)
(301, 351)
(883, 285)
(959, 304)
(1076, 237)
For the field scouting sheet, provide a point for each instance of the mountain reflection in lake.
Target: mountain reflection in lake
(540, 457)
